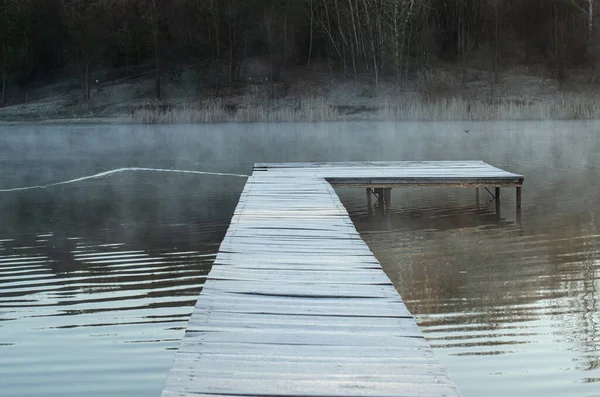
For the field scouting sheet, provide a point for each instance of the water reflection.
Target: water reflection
(97, 278)
(485, 288)
(103, 269)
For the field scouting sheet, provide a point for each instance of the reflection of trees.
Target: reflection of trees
(73, 231)
(60, 253)
(491, 275)
(444, 254)
(582, 282)
(148, 211)
(95, 282)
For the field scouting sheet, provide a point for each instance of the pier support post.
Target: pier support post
(380, 199)
(497, 210)
(519, 205)
(387, 197)
(497, 195)
(369, 197)
(477, 196)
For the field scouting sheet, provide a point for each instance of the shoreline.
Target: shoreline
(454, 110)
(438, 97)
(75, 120)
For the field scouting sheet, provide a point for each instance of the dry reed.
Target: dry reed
(316, 110)
(454, 109)
(566, 107)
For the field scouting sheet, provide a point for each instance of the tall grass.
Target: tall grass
(209, 112)
(565, 107)
(561, 108)
(249, 110)
(306, 110)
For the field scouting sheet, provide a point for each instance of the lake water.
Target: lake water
(99, 276)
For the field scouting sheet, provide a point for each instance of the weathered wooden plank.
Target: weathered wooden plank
(425, 373)
(330, 310)
(198, 385)
(226, 299)
(301, 337)
(316, 276)
(320, 331)
(297, 305)
(294, 321)
(307, 260)
(420, 181)
(252, 351)
(258, 331)
(412, 357)
(373, 164)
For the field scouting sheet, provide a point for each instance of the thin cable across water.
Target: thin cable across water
(118, 171)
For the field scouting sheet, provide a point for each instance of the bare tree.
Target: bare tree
(153, 16)
(83, 19)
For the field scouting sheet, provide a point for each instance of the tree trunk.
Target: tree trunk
(310, 43)
(285, 36)
(590, 18)
(231, 50)
(590, 33)
(352, 48)
(372, 43)
(406, 27)
(83, 85)
(81, 75)
(217, 35)
(157, 66)
(238, 72)
(3, 96)
(494, 74)
(559, 44)
(496, 39)
(155, 25)
(4, 76)
(87, 82)
(396, 40)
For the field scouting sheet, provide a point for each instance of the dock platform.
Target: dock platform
(297, 305)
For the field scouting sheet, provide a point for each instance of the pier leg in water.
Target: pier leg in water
(387, 197)
(380, 200)
(370, 201)
(497, 203)
(519, 205)
(477, 196)
(497, 194)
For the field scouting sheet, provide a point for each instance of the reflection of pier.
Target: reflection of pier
(297, 305)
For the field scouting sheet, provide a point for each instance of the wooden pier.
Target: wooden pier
(297, 305)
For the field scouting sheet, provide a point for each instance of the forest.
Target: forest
(45, 40)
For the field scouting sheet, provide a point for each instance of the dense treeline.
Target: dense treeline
(41, 40)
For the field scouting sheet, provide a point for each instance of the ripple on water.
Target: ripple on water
(91, 307)
(97, 277)
(504, 304)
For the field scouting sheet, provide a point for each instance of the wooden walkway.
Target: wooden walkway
(297, 305)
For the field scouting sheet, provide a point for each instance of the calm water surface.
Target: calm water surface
(99, 276)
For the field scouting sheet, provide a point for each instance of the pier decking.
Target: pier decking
(297, 305)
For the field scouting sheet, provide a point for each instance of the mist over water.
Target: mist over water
(99, 276)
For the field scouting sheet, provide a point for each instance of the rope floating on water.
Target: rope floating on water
(118, 171)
